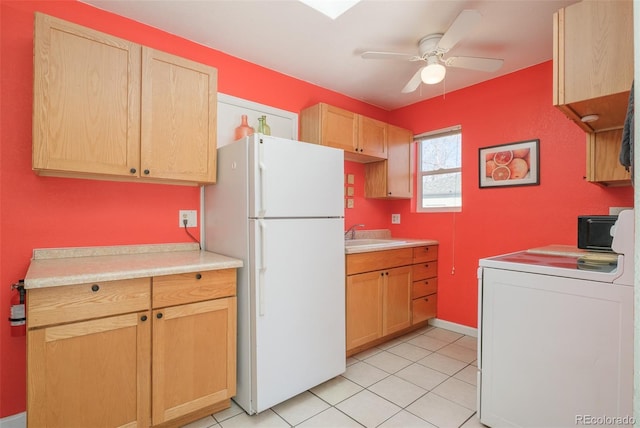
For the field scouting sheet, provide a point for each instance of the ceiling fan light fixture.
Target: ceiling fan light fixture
(433, 73)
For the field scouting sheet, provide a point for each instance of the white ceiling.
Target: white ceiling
(290, 37)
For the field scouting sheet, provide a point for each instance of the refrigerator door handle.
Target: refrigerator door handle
(263, 171)
(263, 266)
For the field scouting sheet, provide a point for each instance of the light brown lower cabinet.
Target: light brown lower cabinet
(425, 283)
(101, 355)
(193, 357)
(90, 373)
(380, 293)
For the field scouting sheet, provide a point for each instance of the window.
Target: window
(440, 170)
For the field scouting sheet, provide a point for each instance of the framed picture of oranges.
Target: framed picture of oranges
(514, 164)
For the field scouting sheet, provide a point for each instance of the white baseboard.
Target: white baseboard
(19, 420)
(458, 328)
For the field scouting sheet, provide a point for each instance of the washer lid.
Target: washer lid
(588, 265)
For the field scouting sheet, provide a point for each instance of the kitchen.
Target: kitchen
(494, 221)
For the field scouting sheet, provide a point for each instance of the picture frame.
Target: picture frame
(512, 164)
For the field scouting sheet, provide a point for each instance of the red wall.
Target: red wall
(512, 108)
(38, 212)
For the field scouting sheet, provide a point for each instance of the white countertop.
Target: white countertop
(51, 267)
(393, 244)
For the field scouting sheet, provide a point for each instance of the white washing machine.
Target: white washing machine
(555, 342)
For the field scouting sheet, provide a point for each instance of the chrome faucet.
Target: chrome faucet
(352, 229)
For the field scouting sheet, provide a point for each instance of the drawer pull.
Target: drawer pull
(159, 315)
(143, 318)
(381, 273)
(426, 282)
(427, 265)
(198, 276)
(95, 287)
(426, 299)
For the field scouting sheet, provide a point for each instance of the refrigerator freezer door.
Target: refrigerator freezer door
(298, 302)
(294, 179)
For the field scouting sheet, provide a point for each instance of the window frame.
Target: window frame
(457, 129)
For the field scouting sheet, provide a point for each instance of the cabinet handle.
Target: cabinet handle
(381, 273)
(143, 318)
(389, 193)
(426, 265)
(159, 315)
(426, 283)
(386, 273)
(146, 172)
(132, 170)
(426, 299)
(198, 276)
(95, 287)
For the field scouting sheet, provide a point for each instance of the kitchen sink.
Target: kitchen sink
(371, 242)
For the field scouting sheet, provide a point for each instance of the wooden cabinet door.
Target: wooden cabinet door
(372, 137)
(339, 128)
(91, 373)
(396, 306)
(598, 49)
(399, 162)
(86, 101)
(364, 308)
(603, 165)
(393, 177)
(178, 140)
(593, 62)
(194, 358)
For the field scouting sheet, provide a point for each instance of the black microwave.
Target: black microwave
(594, 232)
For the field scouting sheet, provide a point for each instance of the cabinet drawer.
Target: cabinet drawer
(425, 253)
(376, 260)
(424, 287)
(424, 308)
(425, 270)
(169, 290)
(55, 305)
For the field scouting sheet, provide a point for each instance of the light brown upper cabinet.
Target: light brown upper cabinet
(372, 137)
(363, 139)
(593, 62)
(603, 166)
(107, 108)
(392, 178)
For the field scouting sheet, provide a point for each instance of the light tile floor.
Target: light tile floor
(426, 378)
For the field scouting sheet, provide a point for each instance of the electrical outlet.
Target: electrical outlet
(190, 216)
(395, 218)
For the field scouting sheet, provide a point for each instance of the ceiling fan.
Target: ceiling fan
(432, 49)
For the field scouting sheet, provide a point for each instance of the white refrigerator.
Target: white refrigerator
(279, 206)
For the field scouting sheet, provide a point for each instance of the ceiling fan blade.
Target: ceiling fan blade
(385, 55)
(465, 21)
(473, 63)
(413, 83)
